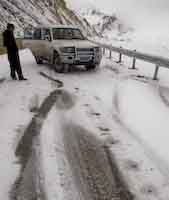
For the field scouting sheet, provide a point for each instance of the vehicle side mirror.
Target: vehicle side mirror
(48, 38)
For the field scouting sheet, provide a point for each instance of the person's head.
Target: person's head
(10, 27)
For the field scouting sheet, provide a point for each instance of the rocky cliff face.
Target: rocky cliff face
(28, 13)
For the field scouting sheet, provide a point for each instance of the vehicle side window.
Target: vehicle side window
(28, 34)
(77, 34)
(46, 34)
(37, 34)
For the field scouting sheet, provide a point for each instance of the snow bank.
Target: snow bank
(145, 113)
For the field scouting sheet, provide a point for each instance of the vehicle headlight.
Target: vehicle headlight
(67, 49)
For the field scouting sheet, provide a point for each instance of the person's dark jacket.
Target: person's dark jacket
(9, 41)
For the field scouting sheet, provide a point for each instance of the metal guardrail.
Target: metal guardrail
(157, 60)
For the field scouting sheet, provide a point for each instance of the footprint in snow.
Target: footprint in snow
(109, 141)
(104, 129)
(96, 114)
(132, 165)
(65, 100)
(149, 190)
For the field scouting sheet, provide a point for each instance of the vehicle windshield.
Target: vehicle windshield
(67, 34)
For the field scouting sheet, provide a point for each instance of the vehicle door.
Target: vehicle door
(37, 43)
(28, 39)
(47, 41)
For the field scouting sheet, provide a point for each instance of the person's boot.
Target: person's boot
(13, 75)
(23, 79)
(14, 78)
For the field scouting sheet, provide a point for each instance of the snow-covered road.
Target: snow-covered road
(109, 110)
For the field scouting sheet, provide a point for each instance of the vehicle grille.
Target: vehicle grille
(85, 51)
(85, 54)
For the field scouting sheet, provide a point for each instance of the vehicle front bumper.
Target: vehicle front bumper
(72, 59)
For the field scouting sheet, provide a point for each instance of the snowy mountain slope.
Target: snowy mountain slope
(28, 13)
(101, 20)
(133, 29)
(118, 32)
(105, 24)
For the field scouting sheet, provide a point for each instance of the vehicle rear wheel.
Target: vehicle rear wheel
(58, 66)
(39, 60)
(91, 67)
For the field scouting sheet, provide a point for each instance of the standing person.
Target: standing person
(13, 54)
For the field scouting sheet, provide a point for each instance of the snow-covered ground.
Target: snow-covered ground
(15, 101)
(127, 114)
(145, 42)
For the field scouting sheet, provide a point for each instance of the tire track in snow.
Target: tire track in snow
(29, 184)
(95, 172)
(93, 168)
(90, 161)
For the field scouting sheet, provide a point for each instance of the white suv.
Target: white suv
(62, 46)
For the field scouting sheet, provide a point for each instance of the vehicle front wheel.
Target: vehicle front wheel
(91, 67)
(58, 66)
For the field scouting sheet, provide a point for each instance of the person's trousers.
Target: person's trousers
(15, 65)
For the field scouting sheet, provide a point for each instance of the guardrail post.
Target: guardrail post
(110, 54)
(104, 50)
(120, 57)
(156, 72)
(134, 61)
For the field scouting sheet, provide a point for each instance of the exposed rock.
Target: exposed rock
(30, 13)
